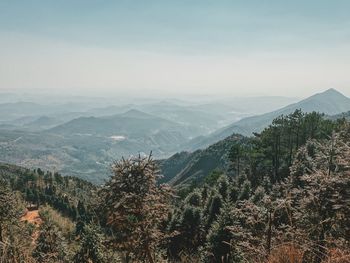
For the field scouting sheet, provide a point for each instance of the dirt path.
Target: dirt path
(33, 217)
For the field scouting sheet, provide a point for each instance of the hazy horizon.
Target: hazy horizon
(175, 48)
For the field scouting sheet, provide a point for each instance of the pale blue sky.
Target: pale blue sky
(232, 47)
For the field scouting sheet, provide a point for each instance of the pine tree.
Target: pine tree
(194, 198)
(50, 244)
(191, 226)
(91, 248)
(136, 206)
(13, 235)
(220, 238)
(223, 186)
(214, 206)
(245, 190)
(9, 210)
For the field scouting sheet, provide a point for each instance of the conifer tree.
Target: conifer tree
(135, 207)
(223, 186)
(194, 199)
(219, 239)
(91, 248)
(9, 210)
(13, 235)
(190, 231)
(50, 244)
(214, 206)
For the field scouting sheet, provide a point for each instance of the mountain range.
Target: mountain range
(85, 143)
(191, 166)
(329, 102)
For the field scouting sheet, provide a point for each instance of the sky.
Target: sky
(237, 47)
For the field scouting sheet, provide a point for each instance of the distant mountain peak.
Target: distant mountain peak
(134, 113)
(329, 102)
(330, 92)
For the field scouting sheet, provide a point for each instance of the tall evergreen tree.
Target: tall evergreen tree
(219, 240)
(135, 207)
(9, 210)
(91, 247)
(50, 244)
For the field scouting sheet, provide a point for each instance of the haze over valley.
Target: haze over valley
(82, 137)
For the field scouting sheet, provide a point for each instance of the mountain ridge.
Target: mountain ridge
(329, 102)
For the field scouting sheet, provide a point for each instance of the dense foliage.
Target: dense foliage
(69, 195)
(286, 188)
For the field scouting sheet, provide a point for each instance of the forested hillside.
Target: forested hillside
(64, 193)
(281, 196)
(271, 150)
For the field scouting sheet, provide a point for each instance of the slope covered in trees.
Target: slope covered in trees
(276, 208)
(280, 196)
(69, 195)
(270, 151)
(185, 167)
